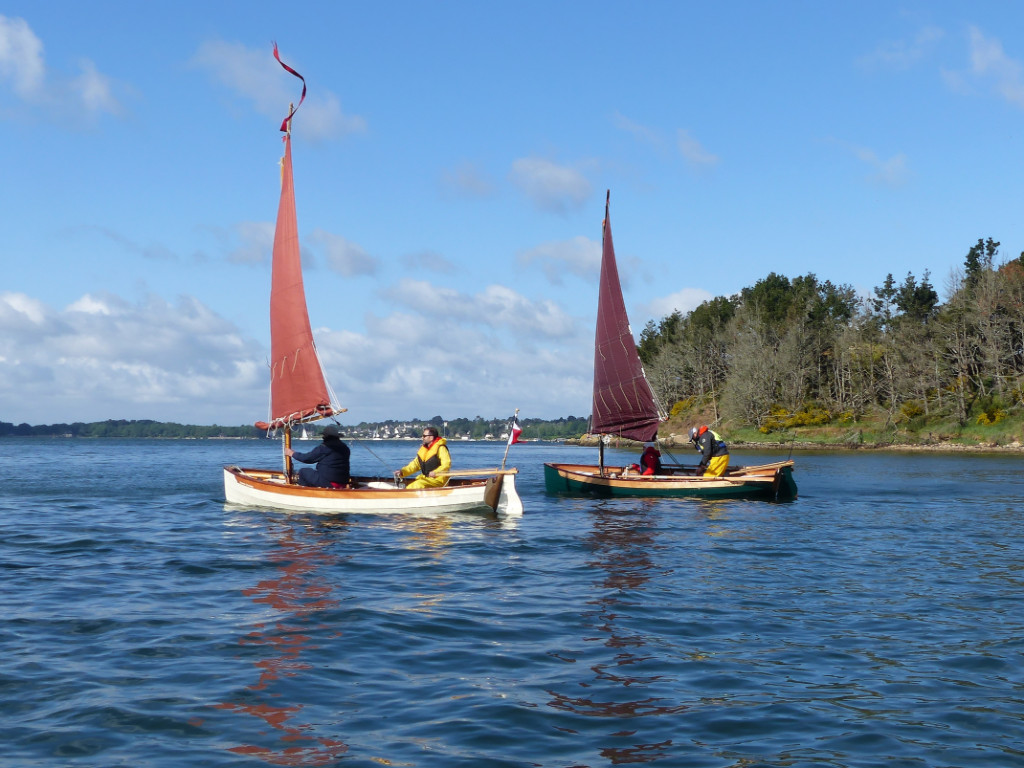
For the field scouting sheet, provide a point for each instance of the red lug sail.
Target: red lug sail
(298, 389)
(624, 404)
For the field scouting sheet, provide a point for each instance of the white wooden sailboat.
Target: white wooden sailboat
(300, 394)
(624, 406)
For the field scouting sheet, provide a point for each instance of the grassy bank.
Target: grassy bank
(873, 431)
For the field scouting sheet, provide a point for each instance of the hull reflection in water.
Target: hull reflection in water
(619, 691)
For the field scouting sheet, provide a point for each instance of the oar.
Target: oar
(477, 472)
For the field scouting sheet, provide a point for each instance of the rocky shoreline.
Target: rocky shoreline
(938, 446)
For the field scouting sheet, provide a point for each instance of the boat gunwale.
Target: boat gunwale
(261, 480)
(754, 480)
(753, 473)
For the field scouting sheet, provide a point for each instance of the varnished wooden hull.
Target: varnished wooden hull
(765, 481)
(267, 488)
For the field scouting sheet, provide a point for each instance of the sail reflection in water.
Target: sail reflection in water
(622, 543)
(298, 595)
(148, 624)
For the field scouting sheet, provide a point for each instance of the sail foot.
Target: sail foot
(299, 417)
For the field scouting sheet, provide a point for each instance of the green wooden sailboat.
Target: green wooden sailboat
(625, 406)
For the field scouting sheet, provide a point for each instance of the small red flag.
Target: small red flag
(514, 431)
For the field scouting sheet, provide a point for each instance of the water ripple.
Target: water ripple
(866, 624)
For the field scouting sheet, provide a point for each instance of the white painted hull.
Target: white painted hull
(266, 488)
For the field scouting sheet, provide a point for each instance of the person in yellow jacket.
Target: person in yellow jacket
(714, 453)
(431, 460)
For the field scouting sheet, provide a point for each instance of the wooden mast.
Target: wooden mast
(288, 425)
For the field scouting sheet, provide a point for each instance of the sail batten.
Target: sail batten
(624, 404)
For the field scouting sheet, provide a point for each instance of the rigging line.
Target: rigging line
(369, 450)
(270, 406)
(667, 451)
(335, 406)
(662, 413)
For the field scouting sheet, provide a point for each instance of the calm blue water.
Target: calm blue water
(876, 621)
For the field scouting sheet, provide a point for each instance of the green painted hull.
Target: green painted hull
(773, 482)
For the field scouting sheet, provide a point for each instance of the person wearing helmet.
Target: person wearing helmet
(714, 453)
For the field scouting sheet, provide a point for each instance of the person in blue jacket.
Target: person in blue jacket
(331, 458)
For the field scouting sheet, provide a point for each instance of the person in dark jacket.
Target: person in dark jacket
(331, 459)
(714, 453)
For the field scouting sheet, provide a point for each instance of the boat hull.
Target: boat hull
(267, 488)
(766, 481)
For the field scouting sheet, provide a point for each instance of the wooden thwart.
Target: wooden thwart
(477, 472)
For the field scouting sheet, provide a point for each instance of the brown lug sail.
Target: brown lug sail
(624, 404)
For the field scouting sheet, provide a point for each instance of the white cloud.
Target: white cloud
(444, 351)
(429, 261)
(887, 172)
(94, 89)
(641, 133)
(23, 67)
(343, 256)
(256, 240)
(682, 301)
(496, 307)
(103, 358)
(990, 63)
(21, 57)
(579, 256)
(693, 151)
(255, 75)
(433, 359)
(155, 252)
(468, 180)
(255, 245)
(553, 188)
(90, 305)
(17, 309)
(903, 54)
(892, 172)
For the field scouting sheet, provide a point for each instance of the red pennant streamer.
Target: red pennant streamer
(284, 123)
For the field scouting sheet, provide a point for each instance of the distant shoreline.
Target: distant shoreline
(626, 444)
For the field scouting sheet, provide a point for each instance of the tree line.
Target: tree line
(478, 428)
(792, 352)
(126, 429)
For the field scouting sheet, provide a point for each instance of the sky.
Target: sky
(451, 162)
